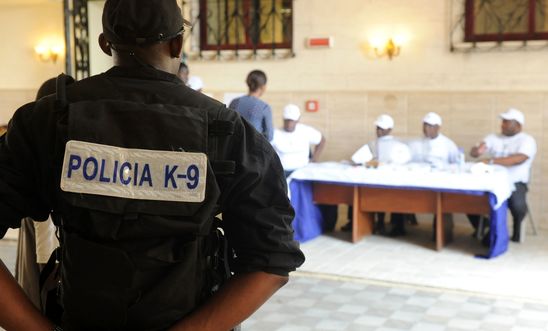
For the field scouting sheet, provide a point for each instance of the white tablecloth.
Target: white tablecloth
(413, 176)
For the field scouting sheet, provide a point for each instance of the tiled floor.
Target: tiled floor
(311, 303)
(522, 272)
(387, 284)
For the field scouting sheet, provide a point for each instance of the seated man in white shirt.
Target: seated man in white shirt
(435, 149)
(384, 150)
(515, 150)
(292, 144)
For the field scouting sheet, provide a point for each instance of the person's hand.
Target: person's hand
(482, 148)
(478, 150)
(372, 164)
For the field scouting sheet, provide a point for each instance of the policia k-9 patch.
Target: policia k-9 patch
(134, 173)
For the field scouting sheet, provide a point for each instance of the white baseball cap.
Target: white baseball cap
(513, 114)
(384, 122)
(195, 83)
(432, 119)
(292, 112)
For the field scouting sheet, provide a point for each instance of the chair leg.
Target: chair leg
(533, 225)
(522, 231)
(481, 226)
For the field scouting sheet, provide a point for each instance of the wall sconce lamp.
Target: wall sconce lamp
(48, 52)
(390, 47)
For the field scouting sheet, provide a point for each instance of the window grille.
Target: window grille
(500, 24)
(232, 29)
(76, 38)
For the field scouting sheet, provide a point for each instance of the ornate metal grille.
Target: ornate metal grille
(499, 20)
(239, 29)
(500, 24)
(76, 26)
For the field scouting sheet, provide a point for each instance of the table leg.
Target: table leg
(362, 222)
(440, 233)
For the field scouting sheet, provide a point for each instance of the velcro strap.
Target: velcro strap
(221, 128)
(223, 167)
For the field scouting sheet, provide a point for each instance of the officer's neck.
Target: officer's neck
(140, 59)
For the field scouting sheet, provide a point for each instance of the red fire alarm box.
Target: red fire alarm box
(319, 42)
(312, 106)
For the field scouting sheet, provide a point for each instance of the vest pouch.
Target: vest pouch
(130, 284)
(172, 285)
(96, 290)
(137, 125)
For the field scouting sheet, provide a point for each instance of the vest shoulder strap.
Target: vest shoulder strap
(61, 101)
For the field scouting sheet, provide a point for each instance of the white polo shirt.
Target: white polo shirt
(499, 145)
(438, 151)
(293, 148)
(386, 149)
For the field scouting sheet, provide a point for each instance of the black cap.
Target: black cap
(138, 22)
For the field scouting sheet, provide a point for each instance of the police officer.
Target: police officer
(133, 165)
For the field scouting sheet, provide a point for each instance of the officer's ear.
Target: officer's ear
(105, 45)
(176, 46)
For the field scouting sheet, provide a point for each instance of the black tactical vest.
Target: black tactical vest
(134, 264)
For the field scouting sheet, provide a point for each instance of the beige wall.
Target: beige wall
(425, 63)
(99, 62)
(21, 72)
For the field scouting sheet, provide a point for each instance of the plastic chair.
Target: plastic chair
(483, 223)
(523, 225)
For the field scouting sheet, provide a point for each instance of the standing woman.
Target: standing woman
(257, 112)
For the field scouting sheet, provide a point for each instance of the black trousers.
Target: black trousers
(517, 203)
(398, 221)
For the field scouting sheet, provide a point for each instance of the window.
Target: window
(246, 24)
(505, 20)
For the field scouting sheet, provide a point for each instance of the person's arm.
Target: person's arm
(257, 220)
(268, 127)
(237, 299)
(479, 149)
(22, 194)
(18, 313)
(318, 150)
(507, 161)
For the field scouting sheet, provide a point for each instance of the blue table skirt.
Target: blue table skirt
(308, 218)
